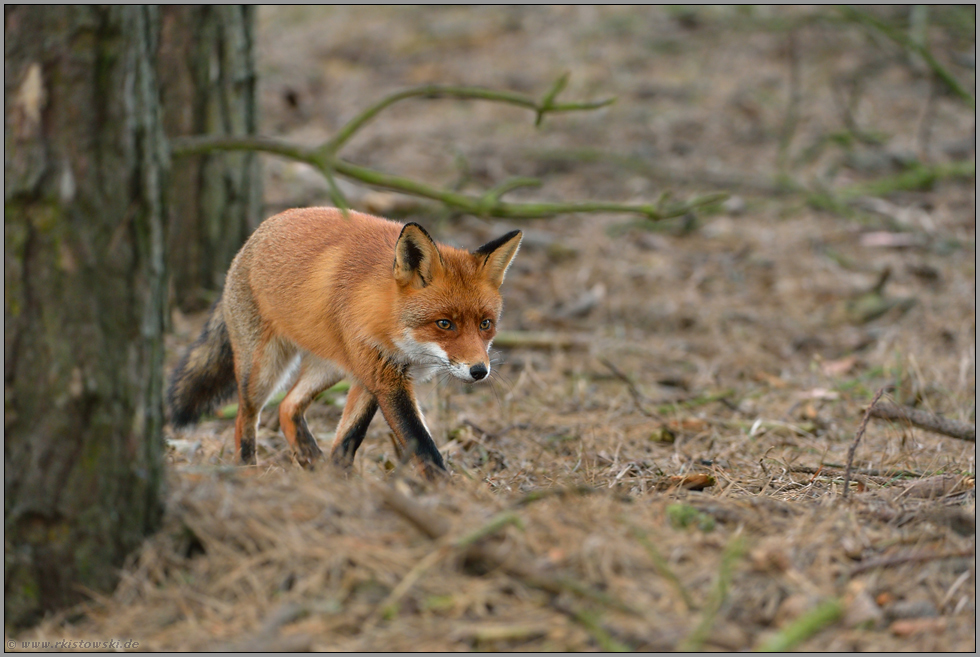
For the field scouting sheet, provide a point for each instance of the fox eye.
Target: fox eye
(485, 325)
(444, 324)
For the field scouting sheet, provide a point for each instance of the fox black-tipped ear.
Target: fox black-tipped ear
(417, 260)
(498, 254)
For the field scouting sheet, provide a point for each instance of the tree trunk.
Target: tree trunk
(208, 83)
(85, 170)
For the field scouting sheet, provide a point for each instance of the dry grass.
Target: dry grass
(282, 558)
(736, 351)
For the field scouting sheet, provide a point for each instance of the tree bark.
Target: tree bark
(208, 86)
(85, 173)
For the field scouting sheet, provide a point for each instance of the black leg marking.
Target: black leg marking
(307, 449)
(343, 454)
(248, 450)
(413, 431)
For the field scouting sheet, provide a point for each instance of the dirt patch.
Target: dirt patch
(734, 352)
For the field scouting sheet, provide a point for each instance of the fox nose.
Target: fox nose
(479, 371)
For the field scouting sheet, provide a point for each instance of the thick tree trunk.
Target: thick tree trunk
(207, 75)
(85, 170)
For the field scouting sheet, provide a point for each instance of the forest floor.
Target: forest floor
(665, 468)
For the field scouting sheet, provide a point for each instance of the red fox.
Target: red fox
(317, 295)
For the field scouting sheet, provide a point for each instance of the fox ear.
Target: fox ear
(498, 254)
(417, 260)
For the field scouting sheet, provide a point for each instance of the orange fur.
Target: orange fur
(358, 296)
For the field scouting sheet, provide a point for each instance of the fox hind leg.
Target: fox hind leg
(258, 378)
(315, 376)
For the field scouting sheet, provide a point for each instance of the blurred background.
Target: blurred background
(703, 377)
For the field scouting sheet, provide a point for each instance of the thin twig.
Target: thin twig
(857, 439)
(638, 397)
(926, 420)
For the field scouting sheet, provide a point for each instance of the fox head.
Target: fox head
(449, 301)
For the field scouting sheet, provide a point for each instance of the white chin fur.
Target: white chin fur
(429, 359)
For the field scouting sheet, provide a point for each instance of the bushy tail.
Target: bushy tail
(205, 375)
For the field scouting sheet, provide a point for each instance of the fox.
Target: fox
(316, 295)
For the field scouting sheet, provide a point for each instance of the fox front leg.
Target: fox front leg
(358, 412)
(401, 410)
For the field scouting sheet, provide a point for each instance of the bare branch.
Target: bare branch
(926, 420)
(333, 146)
(324, 159)
(181, 146)
(484, 207)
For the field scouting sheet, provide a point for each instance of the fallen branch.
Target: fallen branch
(857, 439)
(925, 420)
(937, 486)
(881, 477)
(961, 522)
(868, 472)
(901, 559)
